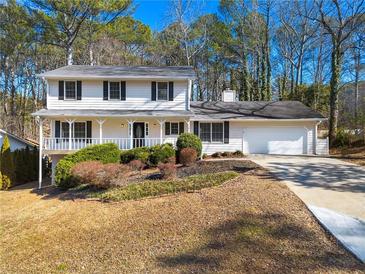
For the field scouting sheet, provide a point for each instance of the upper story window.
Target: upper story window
(162, 91)
(70, 90)
(114, 90)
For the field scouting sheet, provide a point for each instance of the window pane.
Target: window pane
(114, 92)
(217, 132)
(70, 90)
(174, 128)
(205, 132)
(80, 130)
(162, 91)
(65, 130)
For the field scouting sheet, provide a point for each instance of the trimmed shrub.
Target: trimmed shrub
(7, 167)
(136, 165)
(227, 154)
(186, 140)
(217, 155)
(105, 153)
(205, 156)
(139, 153)
(160, 154)
(151, 156)
(167, 170)
(187, 156)
(98, 175)
(238, 153)
(86, 172)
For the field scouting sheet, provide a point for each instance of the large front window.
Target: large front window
(70, 88)
(162, 88)
(114, 90)
(211, 132)
(79, 130)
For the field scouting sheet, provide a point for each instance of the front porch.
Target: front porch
(71, 134)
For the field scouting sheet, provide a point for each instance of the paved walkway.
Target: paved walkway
(330, 188)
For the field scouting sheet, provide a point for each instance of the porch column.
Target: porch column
(40, 172)
(188, 125)
(70, 123)
(161, 122)
(130, 124)
(100, 122)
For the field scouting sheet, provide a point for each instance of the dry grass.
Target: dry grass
(355, 155)
(250, 224)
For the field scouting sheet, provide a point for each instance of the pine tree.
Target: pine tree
(7, 165)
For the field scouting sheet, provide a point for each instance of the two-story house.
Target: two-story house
(145, 106)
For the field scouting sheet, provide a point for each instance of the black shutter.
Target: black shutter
(167, 128)
(88, 131)
(61, 87)
(153, 91)
(57, 132)
(122, 91)
(79, 90)
(196, 128)
(181, 127)
(226, 132)
(171, 91)
(105, 90)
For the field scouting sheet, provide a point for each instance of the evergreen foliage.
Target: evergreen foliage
(7, 165)
(189, 140)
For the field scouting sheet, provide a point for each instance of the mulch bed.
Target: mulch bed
(204, 167)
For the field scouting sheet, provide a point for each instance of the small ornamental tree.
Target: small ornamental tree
(7, 165)
(189, 140)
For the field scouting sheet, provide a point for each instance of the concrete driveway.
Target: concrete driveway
(321, 182)
(333, 190)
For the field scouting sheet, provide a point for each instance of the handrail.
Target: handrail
(122, 143)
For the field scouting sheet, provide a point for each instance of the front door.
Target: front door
(138, 134)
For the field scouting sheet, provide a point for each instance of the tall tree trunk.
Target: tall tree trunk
(69, 55)
(357, 68)
(336, 62)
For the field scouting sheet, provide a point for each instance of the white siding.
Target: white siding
(237, 128)
(138, 96)
(322, 146)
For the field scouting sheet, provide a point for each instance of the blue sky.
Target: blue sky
(155, 12)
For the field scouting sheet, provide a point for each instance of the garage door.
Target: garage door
(275, 140)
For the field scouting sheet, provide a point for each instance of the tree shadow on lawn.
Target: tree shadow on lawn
(262, 243)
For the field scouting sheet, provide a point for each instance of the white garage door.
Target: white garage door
(275, 140)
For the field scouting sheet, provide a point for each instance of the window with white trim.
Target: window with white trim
(162, 91)
(70, 90)
(79, 130)
(173, 128)
(211, 132)
(114, 90)
(146, 129)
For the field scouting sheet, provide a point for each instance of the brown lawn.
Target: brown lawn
(250, 224)
(354, 155)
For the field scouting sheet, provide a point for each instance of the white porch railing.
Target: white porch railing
(122, 143)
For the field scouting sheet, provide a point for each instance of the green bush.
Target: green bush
(138, 153)
(189, 140)
(7, 167)
(151, 156)
(160, 154)
(105, 153)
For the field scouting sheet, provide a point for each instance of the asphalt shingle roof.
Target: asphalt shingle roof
(84, 71)
(253, 110)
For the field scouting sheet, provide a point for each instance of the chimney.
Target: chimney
(228, 95)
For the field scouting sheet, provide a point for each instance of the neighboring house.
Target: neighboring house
(15, 141)
(145, 106)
